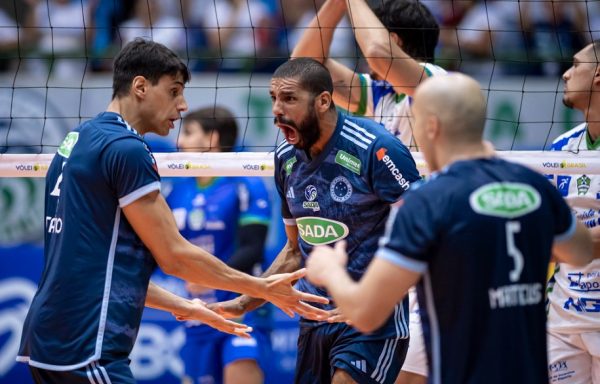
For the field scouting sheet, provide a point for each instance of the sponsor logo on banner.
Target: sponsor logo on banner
(251, 167)
(547, 164)
(562, 184)
(506, 200)
(583, 184)
(566, 164)
(348, 161)
(389, 163)
(187, 165)
(340, 189)
(318, 230)
(310, 192)
(289, 165)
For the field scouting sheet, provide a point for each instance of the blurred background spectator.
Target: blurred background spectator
(59, 30)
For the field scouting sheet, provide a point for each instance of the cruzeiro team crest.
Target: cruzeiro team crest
(340, 189)
(583, 185)
(311, 194)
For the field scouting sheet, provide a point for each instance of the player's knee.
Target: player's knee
(342, 377)
(245, 371)
(410, 378)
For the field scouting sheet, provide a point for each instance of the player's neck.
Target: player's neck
(464, 151)
(593, 123)
(327, 126)
(123, 107)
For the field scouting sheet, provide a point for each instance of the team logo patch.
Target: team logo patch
(340, 189)
(68, 143)
(583, 184)
(319, 231)
(508, 200)
(310, 192)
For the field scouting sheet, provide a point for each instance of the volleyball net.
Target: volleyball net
(55, 59)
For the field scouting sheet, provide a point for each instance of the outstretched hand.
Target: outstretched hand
(281, 292)
(324, 260)
(200, 312)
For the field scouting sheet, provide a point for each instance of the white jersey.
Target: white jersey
(380, 102)
(574, 293)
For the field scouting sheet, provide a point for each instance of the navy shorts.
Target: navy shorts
(372, 358)
(97, 372)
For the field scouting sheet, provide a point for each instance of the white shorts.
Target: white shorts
(416, 357)
(574, 359)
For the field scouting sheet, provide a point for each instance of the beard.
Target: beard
(308, 129)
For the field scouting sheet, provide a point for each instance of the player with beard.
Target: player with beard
(337, 176)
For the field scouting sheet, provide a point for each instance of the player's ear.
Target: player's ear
(138, 86)
(597, 75)
(396, 39)
(432, 129)
(323, 101)
(215, 140)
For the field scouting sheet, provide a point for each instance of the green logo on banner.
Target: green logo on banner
(318, 231)
(68, 143)
(346, 160)
(508, 200)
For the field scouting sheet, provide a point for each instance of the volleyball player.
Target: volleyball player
(574, 292)
(337, 176)
(477, 237)
(227, 216)
(107, 226)
(397, 39)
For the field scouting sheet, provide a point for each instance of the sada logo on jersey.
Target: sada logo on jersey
(319, 231)
(506, 200)
(310, 192)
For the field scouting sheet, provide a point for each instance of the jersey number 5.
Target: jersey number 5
(513, 227)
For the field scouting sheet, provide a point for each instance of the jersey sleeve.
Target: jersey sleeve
(365, 105)
(255, 207)
(286, 214)
(410, 233)
(393, 168)
(130, 169)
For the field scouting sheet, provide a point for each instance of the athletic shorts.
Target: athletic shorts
(574, 358)
(416, 357)
(368, 358)
(97, 372)
(206, 358)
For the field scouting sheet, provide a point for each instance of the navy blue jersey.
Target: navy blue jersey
(210, 217)
(92, 291)
(345, 192)
(481, 232)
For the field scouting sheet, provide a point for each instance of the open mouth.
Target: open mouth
(290, 134)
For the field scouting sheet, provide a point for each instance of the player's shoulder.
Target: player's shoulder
(433, 70)
(563, 141)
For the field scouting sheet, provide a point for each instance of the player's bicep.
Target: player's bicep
(383, 285)
(574, 246)
(152, 220)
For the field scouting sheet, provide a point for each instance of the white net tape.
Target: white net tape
(261, 163)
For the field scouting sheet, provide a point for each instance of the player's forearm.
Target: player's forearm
(580, 249)
(195, 265)
(316, 39)
(160, 298)
(288, 260)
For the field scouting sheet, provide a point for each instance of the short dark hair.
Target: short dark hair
(413, 22)
(312, 75)
(146, 58)
(216, 119)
